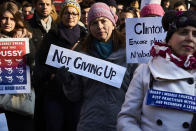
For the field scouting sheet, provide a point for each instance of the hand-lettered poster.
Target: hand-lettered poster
(141, 33)
(14, 73)
(88, 66)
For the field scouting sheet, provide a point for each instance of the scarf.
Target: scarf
(70, 36)
(104, 49)
(163, 50)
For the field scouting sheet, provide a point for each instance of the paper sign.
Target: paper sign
(14, 73)
(141, 33)
(87, 66)
(171, 100)
(147, 2)
(3, 122)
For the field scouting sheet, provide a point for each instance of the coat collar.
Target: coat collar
(163, 69)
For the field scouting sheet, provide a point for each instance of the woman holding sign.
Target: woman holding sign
(101, 102)
(162, 94)
(54, 112)
(12, 26)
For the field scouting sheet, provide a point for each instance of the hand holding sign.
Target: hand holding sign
(63, 75)
(87, 66)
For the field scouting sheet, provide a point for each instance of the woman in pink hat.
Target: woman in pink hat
(101, 102)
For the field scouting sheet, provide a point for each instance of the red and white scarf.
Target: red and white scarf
(163, 50)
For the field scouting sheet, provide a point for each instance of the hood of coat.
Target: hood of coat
(163, 69)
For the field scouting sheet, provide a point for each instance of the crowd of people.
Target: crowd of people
(65, 101)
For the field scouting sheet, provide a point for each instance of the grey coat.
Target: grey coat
(101, 102)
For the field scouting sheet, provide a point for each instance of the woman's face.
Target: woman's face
(70, 17)
(101, 28)
(183, 41)
(7, 22)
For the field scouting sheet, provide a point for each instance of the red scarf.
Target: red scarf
(163, 50)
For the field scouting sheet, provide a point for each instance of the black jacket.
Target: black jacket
(42, 71)
(38, 31)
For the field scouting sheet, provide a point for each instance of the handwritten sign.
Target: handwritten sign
(141, 33)
(14, 73)
(171, 100)
(87, 66)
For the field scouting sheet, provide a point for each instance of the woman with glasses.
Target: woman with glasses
(59, 113)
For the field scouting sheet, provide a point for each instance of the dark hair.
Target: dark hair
(109, 2)
(162, 2)
(121, 27)
(35, 2)
(86, 4)
(117, 37)
(179, 3)
(27, 5)
(131, 10)
(173, 20)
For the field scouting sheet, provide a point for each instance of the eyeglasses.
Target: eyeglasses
(74, 15)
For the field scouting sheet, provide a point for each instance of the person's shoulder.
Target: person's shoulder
(83, 29)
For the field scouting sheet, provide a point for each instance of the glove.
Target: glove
(63, 76)
(29, 59)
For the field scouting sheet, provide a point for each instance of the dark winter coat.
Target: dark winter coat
(102, 102)
(38, 31)
(49, 88)
(43, 71)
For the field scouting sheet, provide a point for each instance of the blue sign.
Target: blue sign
(171, 100)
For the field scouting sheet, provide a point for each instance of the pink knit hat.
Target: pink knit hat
(100, 9)
(152, 9)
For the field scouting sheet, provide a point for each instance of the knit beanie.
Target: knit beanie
(152, 9)
(100, 9)
(173, 20)
(70, 3)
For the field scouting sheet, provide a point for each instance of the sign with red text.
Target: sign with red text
(141, 33)
(87, 66)
(14, 73)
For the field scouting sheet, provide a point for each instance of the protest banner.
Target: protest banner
(171, 100)
(3, 122)
(14, 73)
(141, 33)
(85, 65)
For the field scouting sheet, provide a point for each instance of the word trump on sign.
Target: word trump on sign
(87, 66)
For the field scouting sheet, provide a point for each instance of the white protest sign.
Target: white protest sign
(141, 33)
(87, 66)
(147, 2)
(3, 122)
(14, 72)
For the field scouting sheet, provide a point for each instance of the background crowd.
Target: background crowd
(65, 101)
